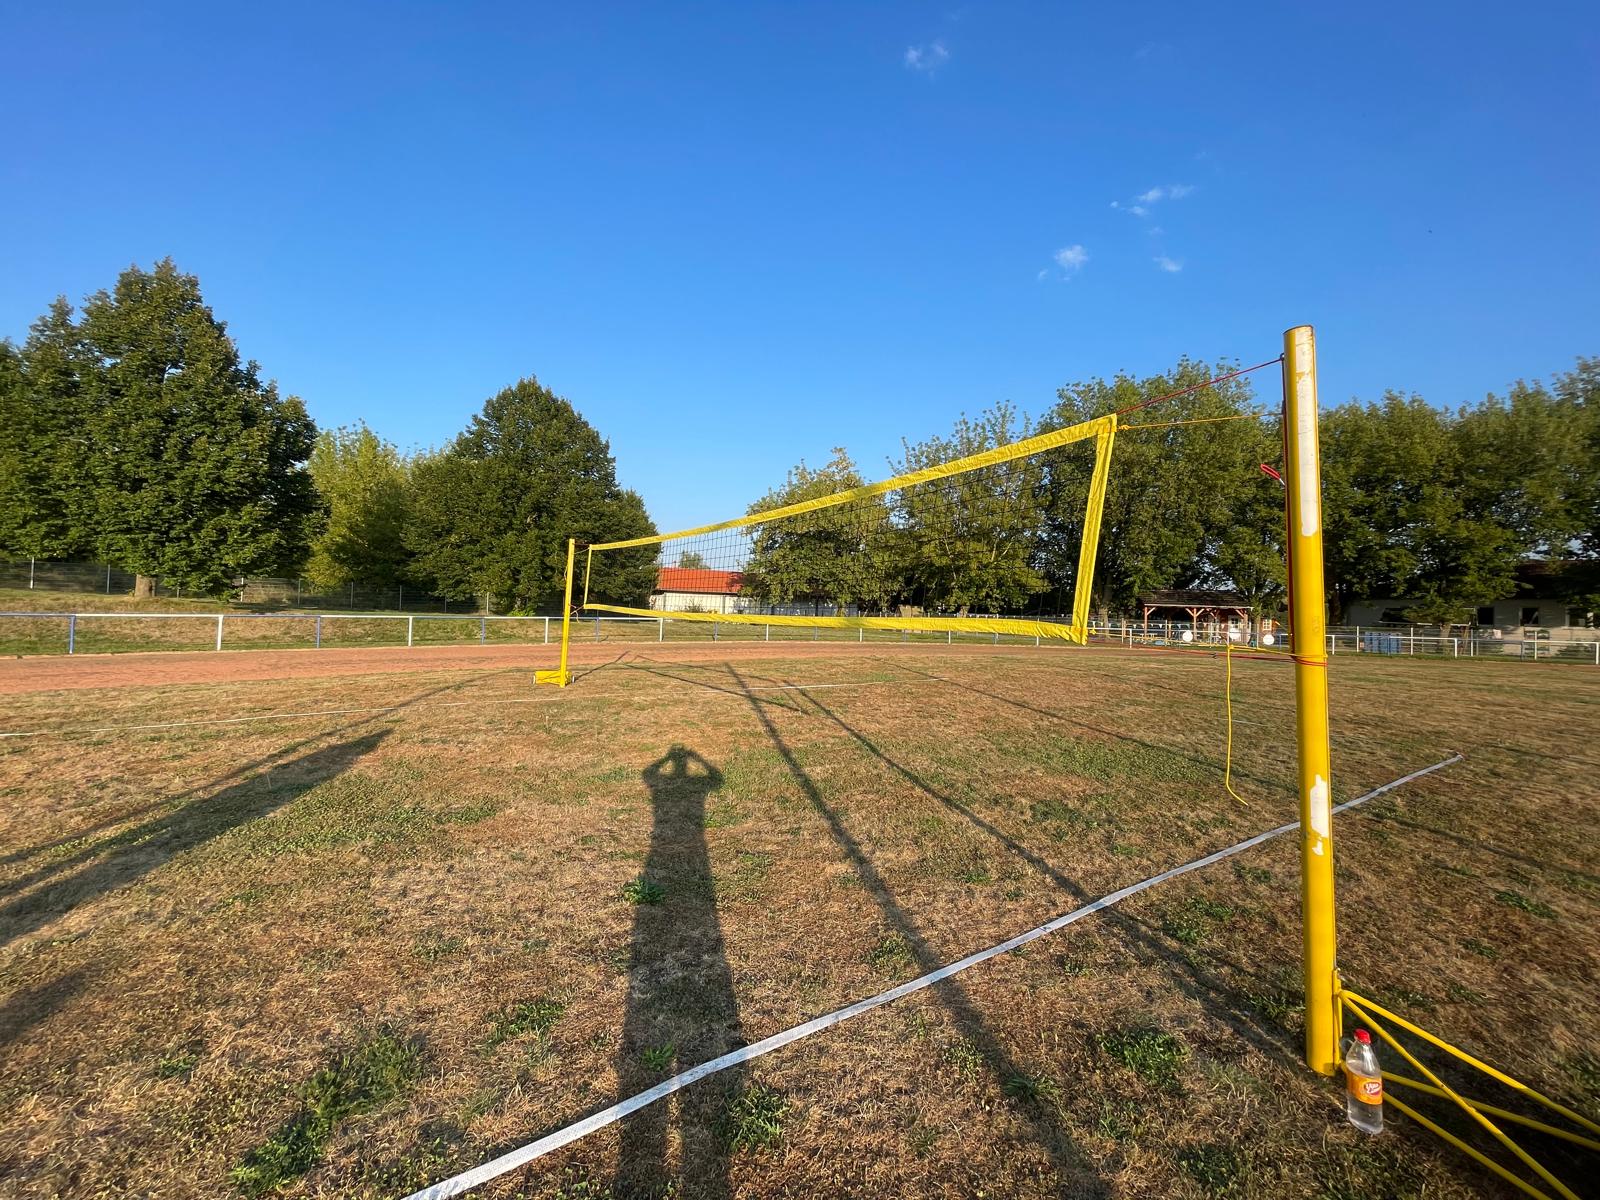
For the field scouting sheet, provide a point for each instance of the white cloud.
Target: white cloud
(926, 58)
(1142, 202)
(1171, 265)
(1071, 259)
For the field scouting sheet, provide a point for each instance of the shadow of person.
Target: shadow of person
(681, 1008)
(133, 854)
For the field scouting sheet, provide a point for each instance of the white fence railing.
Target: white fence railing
(52, 632)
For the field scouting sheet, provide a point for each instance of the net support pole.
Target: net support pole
(1309, 629)
(561, 676)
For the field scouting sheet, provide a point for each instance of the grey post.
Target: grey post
(318, 620)
(410, 629)
(219, 631)
(72, 631)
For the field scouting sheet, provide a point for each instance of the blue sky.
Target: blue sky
(735, 235)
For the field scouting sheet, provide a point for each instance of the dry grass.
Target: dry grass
(549, 903)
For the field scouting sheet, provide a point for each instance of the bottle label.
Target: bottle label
(1366, 1088)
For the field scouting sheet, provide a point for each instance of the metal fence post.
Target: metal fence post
(861, 634)
(661, 629)
(219, 631)
(411, 623)
(30, 574)
(1455, 647)
(713, 631)
(597, 629)
(319, 631)
(767, 636)
(483, 628)
(547, 631)
(108, 579)
(72, 631)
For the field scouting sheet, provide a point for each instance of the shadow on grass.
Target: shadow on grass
(681, 1008)
(138, 851)
(1071, 1163)
(1187, 756)
(32, 1006)
(265, 763)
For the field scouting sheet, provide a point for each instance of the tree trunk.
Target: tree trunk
(144, 587)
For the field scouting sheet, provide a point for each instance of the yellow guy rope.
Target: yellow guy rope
(1227, 699)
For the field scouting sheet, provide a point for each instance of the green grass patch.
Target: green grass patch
(537, 1017)
(1152, 1054)
(643, 891)
(356, 1081)
(1527, 904)
(658, 1058)
(892, 956)
(1192, 921)
(753, 1119)
(1220, 1170)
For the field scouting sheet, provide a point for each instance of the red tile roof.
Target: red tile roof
(699, 579)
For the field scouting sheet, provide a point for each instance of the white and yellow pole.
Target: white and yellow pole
(1308, 627)
(561, 676)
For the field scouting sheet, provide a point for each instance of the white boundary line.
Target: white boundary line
(510, 1161)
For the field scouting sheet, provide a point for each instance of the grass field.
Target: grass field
(346, 955)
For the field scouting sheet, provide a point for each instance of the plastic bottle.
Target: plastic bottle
(1363, 1085)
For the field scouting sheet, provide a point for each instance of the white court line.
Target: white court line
(510, 1161)
(349, 712)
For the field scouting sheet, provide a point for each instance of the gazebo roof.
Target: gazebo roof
(1193, 598)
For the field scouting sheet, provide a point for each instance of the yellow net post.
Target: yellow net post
(561, 676)
(1308, 626)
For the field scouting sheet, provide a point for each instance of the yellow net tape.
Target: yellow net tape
(1102, 429)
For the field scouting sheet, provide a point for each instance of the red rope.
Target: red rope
(1197, 387)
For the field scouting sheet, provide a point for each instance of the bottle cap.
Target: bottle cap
(1363, 1037)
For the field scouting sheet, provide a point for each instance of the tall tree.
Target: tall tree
(197, 464)
(1186, 504)
(1397, 516)
(491, 514)
(363, 486)
(972, 539)
(843, 555)
(47, 505)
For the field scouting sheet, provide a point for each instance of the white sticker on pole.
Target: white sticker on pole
(1321, 820)
(1305, 382)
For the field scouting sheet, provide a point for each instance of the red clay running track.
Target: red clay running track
(46, 673)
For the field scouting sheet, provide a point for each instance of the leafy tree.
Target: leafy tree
(1398, 520)
(491, 514)
(1526, 465)
(1186, 505)
(689, 560)
(46, 488)
(196, 464)
(363, 486)
(843, 554)
(972, 539)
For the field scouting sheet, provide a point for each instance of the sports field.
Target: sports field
(343, 926)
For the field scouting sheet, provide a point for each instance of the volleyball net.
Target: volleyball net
(992, 532)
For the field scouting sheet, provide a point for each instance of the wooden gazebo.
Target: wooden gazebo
(1198, 604)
